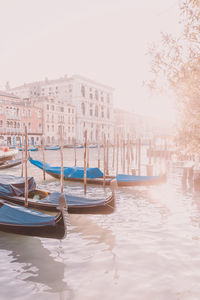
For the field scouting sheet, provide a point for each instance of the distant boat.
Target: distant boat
(93, 146)
(22, 220)
(72, 146)
(48, 201)
(52, 148)
(7, 154)
(30, 149)
(95, 176)
(10, 163)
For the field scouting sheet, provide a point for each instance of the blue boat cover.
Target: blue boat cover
(52, 148)
(73, 172)
(128, 178)
(14, 214)
(29, 149)
(73, 200)
(15, 186)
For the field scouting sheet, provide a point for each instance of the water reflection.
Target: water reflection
(36, 263)
(96, 235)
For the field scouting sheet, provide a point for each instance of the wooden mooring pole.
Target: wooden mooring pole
(75, 152)
(104, 161)
(117, 164)
(22, 169)
(61, 160)
(107, 159)
(26, 167)
(43, 154)
(139, 156)
(85, 156)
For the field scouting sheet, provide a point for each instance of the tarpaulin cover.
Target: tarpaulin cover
(73, 200)
(15, 186)
(14, 214)
(73, 172)
(128, 178)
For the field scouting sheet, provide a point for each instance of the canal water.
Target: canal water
(148, 249)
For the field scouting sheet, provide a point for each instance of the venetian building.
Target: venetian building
(92, 101)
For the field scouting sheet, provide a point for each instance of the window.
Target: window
(52, 107)
(96, 111)
(47, 106)
(108, 114)
(83, 90)
(108, 98)
(91, 111)
(96, 95)
(83, 108)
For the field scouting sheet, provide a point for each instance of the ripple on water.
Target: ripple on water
(148, 249)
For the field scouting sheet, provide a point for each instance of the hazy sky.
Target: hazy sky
(105, 40)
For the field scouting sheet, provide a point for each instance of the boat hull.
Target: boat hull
(54, 231)
(11, 164)
(100, 181)
(107, 207)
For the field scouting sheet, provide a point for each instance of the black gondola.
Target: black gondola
(10, 163)
(47, 201)
(12, 190)
(22, 220)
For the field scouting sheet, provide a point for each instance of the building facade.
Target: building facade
(56, 115)
(14, 116)
(93, 103)
(139, 126)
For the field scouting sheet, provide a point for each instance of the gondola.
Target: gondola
(10, 163)
(95, 176)
(52, 148)
(47, 201)
(21, 220)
